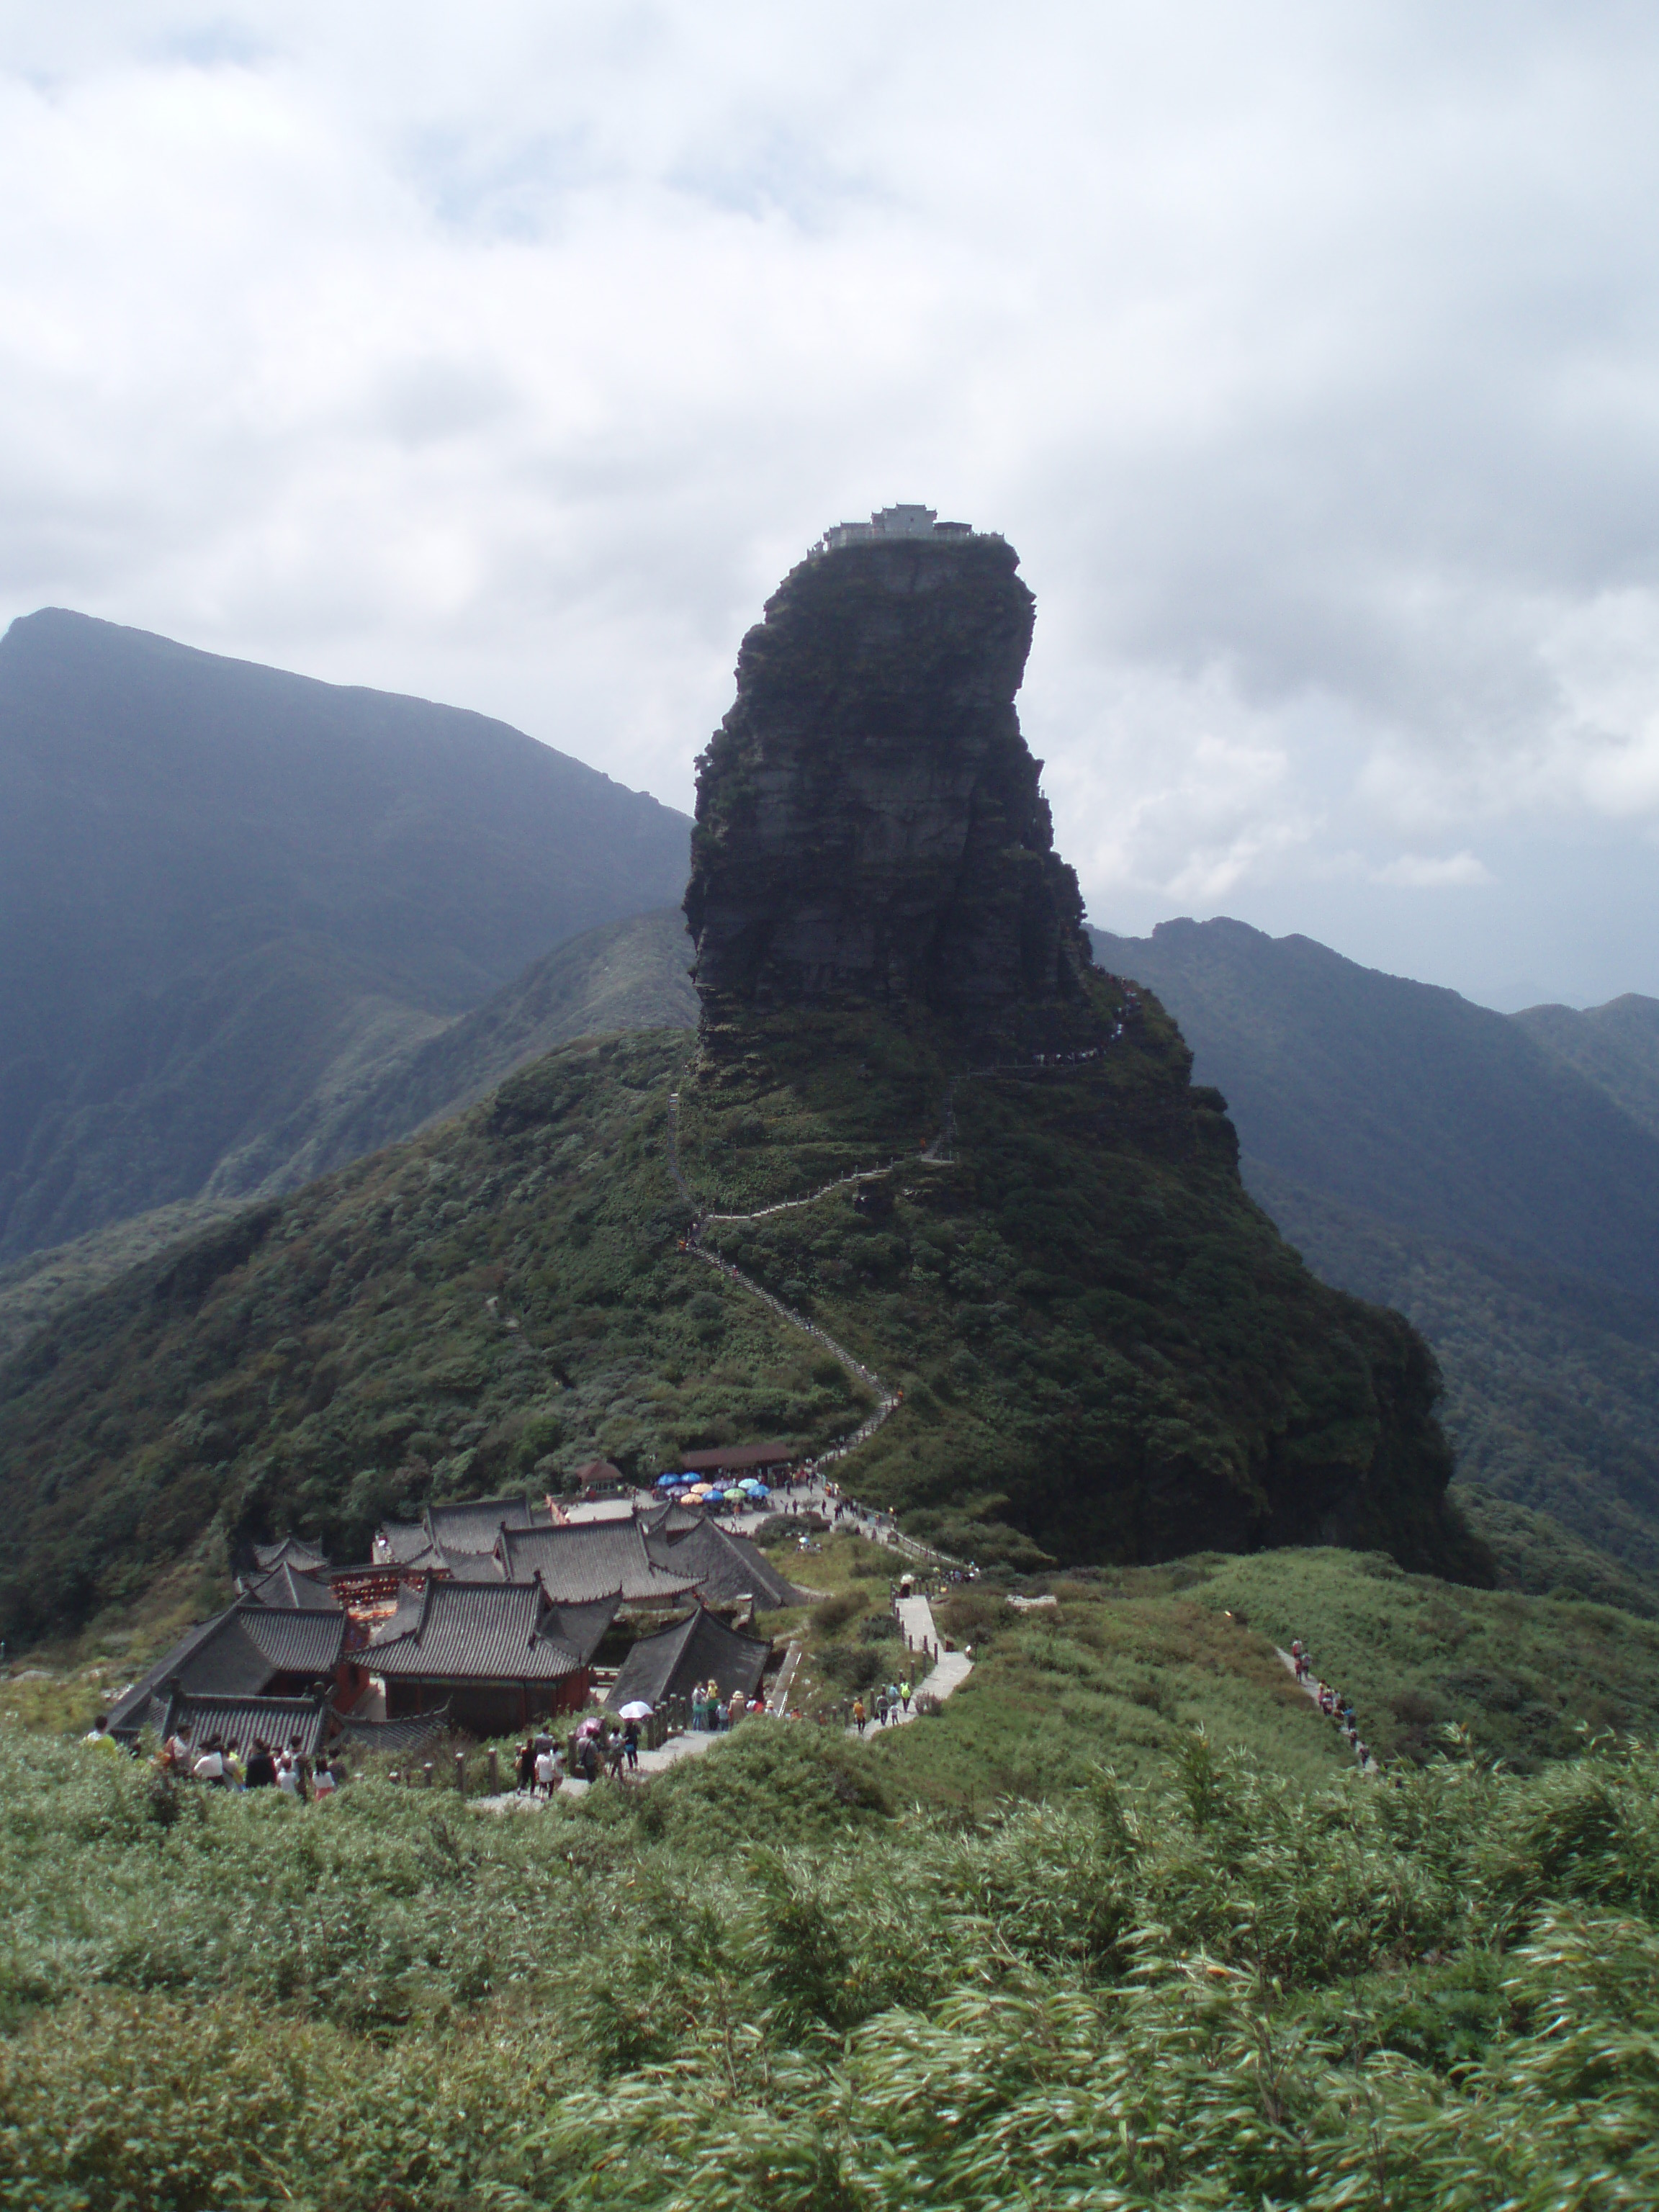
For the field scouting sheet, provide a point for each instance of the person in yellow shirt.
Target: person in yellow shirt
(98, 1736)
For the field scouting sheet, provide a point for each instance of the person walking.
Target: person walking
(524, 1768)
(859, 1715)
(699, 1710)
(323, 1782)
(210, 1766)
(881, 1708)
(261, 1766)
(235, 1772)
(631, 1744)
(542, 1772)
(904, 1693)
(617, 1757)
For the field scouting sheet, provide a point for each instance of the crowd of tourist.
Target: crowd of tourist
(1331, 1702)
(220, 1762)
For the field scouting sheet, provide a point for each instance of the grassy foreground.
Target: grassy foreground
(1438, 1990)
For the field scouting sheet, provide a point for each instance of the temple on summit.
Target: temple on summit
(871, 824)
(892, 522)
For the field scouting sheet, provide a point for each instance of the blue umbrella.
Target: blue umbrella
(667, 1481)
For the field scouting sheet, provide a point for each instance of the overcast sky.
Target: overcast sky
(1309, 355)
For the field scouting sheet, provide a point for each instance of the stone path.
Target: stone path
(887, 1399)
(916, 1618)
(1310, 1689)
(691, 1745)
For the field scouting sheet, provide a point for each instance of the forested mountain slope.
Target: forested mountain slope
(626, 975)
(1083, 1338)
(1451, 1162)
(1615, 1046)
(228, 894)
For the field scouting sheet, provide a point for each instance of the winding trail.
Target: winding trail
(1310, 1689)
(887, 1397)
(937, 1153)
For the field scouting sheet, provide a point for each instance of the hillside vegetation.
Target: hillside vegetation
(1101, 1344)
(229, 896)
(1434, 1990)
(1495, 1178)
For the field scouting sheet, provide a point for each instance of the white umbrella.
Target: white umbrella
(636, 1710)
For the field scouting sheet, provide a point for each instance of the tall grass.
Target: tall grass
(753, 1985)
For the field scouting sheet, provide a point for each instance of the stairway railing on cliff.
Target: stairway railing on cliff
(937, 1153)
(887, 1397)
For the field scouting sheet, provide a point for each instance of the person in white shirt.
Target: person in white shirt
(287, 1776)
(210, 1766)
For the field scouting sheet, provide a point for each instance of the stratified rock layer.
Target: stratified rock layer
(869, 820)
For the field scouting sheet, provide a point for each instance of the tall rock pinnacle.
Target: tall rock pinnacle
(869, 821)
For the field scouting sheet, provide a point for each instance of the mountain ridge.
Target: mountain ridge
(1469, 1168)
(223, 886)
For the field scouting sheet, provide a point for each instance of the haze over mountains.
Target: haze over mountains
(1495, 1177)
(232, 899)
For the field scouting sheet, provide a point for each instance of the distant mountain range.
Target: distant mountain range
(241, 911)
(1495, 1177)
(627, 975)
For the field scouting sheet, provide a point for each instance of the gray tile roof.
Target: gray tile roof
(397, 1542)
(290, 1552)
(725, 1567)
(735, 1457)
(580, 1627)
(466, 1566)
(277, 1720)
(237, 1654)
(296, 1642)
(286, 1585)
(674, 1661)
(407, 1733)
(476, 1633)
(470, 1523)
(592, 1559)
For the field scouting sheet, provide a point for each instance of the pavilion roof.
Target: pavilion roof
(725, 1567)
(591, 1559)
(700, 1649)
(474, 1631)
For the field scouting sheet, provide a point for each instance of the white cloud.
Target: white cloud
(1308, 356)
(1425, 872)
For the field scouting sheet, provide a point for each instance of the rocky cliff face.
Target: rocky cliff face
(869, 821)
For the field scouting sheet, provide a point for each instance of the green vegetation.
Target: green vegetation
(760, 1985)
(1494, 1178)
(1127, 1662)
(1551, 1383)
(1102, 1345)
(35, 1288)
(188, 1005)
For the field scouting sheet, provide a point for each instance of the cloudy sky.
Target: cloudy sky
(1309, 355)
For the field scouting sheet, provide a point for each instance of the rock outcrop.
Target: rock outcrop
(869, 820)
